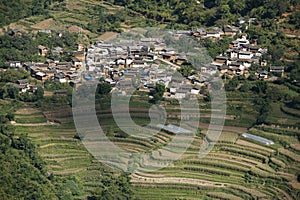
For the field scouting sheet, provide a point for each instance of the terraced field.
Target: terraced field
(64, 154)
(236, 168)
(72, 16)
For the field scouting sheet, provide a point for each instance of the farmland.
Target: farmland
(236, 168)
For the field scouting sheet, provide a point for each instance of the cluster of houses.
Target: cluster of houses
(142, 63)
(216, 32)
(128, 64)
(240, 55)
(23, 85)
(62, 72)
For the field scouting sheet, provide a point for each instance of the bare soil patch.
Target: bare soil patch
(27, 111)
(48, 24)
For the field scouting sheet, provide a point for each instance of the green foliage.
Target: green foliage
(187, 70)
(9, 90)
(68, 41)
(22, 170)
(232, 84)
(260, 87)
(39, 93)
(105, 22)
(245, 87)
(158, 93)
(207, 12)
(103, 88)
(215, 48)
(113, 188)
(17, 9)
(295, 19)
(295, 103)
(295, 74)
(52, 86)
(25, 48)
(11, 75)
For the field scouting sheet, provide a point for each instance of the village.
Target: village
(142, 63)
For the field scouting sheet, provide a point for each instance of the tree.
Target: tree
(113, 188)
(40, 93)
(295, 75)
(216, 84)
(295, 102)
(103, 88)
(232, 84)
(3, 91)
(260, 87)
(186, 70)
(12, 92)
(245, 87)
(263, 109)
(158, 92)
(237, 7)
(210, 3)
(277, 52)
(224, 11)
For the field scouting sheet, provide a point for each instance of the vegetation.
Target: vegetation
(43, 160)
(193, 13)
(25, 48)
(158, 93)
(23, 172)
(13, 10)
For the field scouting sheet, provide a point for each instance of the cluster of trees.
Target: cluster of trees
(25, 48)
(103, 88)
(264, 93)
(22, 170)
(103, 21)
(17, 48)
(207, 12)
(9, 90)
(14, 10)
(157, 93)
(12, 92)
(66, 40)
(113, 188)
(295, 103)
(216, 48)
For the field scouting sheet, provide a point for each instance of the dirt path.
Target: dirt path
(142, 179)
(169, 63)
(34, 124)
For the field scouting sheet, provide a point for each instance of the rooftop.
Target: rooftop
(258, 138)
(173, 128)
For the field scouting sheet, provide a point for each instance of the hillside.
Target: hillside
(87, 17)
(237, 168)
(43, 155)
